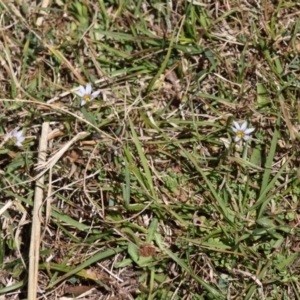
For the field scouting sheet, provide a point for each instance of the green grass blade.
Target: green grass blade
(270, 158)
(95, 258)
(185, 267)
(222, 206)
(144, 162)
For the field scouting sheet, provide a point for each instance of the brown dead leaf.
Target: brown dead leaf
(77, 290)
(147, 250)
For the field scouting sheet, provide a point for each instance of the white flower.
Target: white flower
(17, 137)
(86, 95)
(241, 132)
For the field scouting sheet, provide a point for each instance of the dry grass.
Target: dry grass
(145, 194)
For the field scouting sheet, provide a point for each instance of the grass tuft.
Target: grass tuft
(144, 193)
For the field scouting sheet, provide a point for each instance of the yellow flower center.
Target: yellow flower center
(240, 134)
(87, 98)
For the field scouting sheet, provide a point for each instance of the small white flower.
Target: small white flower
(86, 95)
(241, 132)
(17, 137)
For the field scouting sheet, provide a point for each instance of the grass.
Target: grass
(143, 192)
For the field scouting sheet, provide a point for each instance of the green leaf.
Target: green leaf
(256, 156)
(265, 222)
(288, 261)
(148, 176)
(185, 268)
(152, 230)
(133, 252)
(227, 214)
(92, 260)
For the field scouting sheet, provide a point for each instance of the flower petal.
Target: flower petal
(13, 134)
(88, 88)
(18, 134)
(95, 94)
(80, 94)
(236, 138)
(82, 90)
(82, 102)
(249, 130)
(246, 137)
(236, 125)
(244, 126)
(234, 129)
